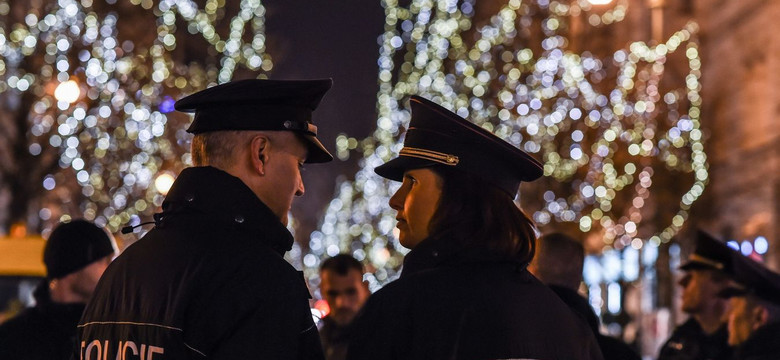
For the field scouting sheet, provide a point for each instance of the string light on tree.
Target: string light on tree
(604, 127)
(103, 77)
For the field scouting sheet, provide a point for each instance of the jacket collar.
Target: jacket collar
(228, 201)
(443, 251)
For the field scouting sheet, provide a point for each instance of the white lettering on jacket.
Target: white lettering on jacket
(97, 351)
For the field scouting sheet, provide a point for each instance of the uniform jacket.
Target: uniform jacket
(763, 344)
(44, 332)
(465, 303)
(689, 342)
(208, 282)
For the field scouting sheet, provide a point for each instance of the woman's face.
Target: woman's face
(416, 202)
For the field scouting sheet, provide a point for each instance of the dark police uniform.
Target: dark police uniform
(688, 341)
(210, 280)
(763, 344)
(465, 301)
(467, 304)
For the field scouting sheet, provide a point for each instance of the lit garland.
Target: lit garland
(109, 112)
(599, 145)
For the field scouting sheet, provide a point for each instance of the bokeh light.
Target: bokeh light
(604, 128)
(67, 91)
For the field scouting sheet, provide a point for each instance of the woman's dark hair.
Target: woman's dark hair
(476, 213)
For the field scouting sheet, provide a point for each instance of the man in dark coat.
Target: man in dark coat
(343, 288)
(754, 316)
(558, 263)
(210, 280)
(704, 336)
(75, 255)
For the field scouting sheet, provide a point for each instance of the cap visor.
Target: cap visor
(692, 264)
(395, 169)
(317, 151)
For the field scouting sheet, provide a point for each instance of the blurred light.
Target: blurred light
(595, 299)
(323, 307)
(631, 263)
(49, 183)
(613, 298)
(166, 105)
(761, 245)
(599, 2)
(591, 270)
(163, 183)
(746, 248)
(67, 91)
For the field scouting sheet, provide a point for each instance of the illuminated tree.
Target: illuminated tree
(618, 136)
(87, 89)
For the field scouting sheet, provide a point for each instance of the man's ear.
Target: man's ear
(259, 151)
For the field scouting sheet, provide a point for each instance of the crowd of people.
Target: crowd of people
(209, 281)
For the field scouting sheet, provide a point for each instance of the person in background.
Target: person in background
(210, 280)
(76, 255)
(343, 288)
(464, 292)
(754, 315)
(704, 336)
(558, 263)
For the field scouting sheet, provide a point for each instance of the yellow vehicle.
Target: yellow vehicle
(21, 269)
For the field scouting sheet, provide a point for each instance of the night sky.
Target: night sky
(328, 39)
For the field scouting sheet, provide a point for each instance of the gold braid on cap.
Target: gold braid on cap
(703, 260)
(431, 155)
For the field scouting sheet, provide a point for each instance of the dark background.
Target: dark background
(328, 39)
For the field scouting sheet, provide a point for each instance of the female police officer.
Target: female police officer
(464, 292)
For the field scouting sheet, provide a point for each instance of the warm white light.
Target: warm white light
(163, 183)
(599, 2)
(67, 91)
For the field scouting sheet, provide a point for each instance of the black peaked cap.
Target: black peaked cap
(436, 136)
(709, 253)
(261, 104)
(753, 278)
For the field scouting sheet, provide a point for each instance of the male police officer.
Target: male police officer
(345, 292)
(210, 280)
(704, 336)
(75, 255)
(754, 317)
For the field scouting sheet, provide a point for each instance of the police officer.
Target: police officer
(75, 255)
(754, 316)
(210, 280)
(464, 292)
(704, 335)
